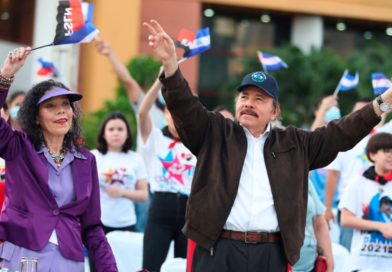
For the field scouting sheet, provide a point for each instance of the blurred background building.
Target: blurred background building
(238, 28)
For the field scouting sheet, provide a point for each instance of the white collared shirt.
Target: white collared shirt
(253, 208)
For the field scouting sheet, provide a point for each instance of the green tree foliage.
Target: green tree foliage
(144, 70)
(313, 76)
(374, 57)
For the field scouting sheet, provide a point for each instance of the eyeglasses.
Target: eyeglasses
(387, 151)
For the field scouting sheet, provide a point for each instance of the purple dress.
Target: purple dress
(49, 258)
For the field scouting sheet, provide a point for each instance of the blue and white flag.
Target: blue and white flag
(88, 12)
(271, 62)
(380, 83)
(199, 44)
(348, 82)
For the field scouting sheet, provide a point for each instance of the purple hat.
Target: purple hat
(72, 96)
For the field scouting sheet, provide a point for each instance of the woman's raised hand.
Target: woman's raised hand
(102, 46)
(14, 61)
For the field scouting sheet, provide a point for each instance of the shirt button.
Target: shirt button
(56, 212)
(57, 173)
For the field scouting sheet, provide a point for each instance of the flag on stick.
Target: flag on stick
(271, 62)
(74, 23)
(194, 44)
(347, 82)
(185, 38)
(47, 68)
(380, 83)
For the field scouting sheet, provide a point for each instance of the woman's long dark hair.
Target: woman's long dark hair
(102, 145)
(28, 115)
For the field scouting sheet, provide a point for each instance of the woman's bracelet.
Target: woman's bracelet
(6, 80)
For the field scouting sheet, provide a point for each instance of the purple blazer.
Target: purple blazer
(30, 212)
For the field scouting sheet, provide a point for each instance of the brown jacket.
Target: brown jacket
(220, 146)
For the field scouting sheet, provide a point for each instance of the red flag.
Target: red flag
(185, 38)
(72, 26)
(69, 18)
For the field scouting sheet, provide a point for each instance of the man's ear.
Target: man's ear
(275, 113)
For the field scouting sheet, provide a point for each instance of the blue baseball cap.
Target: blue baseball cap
(261, 80)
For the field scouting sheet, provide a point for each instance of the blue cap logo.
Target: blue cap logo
(258, 77)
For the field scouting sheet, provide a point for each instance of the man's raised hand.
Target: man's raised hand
(163, 46)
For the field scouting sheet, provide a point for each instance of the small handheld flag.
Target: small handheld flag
(194, 44)
(380, 83)
(47, 68)
(271, 62)
(74, 23)
(74, 26)
(347, 82)
(185, 38)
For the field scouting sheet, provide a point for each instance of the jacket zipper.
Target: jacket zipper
(212, 251)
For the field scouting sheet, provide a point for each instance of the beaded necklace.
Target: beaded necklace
(58, 159)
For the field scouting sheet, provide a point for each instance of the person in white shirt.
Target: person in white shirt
(135, 95)
(347, 165)
(122, 174)
(326, 110)
(170, 167)
(366, 207)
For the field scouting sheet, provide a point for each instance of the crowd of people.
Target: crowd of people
(240, 193)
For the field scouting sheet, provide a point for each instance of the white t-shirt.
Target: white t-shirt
(170, 165)
(369, 200)
(350, 164)
(118, 169)
(354, 161)
(157, 115)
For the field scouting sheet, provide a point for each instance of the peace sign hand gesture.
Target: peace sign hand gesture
(162, 46)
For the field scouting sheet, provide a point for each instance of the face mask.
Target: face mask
(161, 99)
(14, 112)
(333, 113)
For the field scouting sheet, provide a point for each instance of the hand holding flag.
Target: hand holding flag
(14, 61)
(347, 82)
(380, 83)
(271, 62)
(103, 47)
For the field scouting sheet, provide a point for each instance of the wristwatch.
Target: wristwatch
(384, 107)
